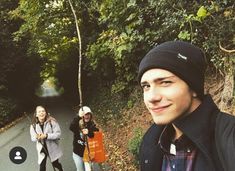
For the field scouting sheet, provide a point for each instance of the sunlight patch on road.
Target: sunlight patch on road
(48, 89)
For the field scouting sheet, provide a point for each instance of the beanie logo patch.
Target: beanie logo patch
(182, 56)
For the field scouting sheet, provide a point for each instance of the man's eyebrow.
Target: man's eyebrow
(158, 79)
(143, 82)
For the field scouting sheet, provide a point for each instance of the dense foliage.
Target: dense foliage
(19, 71)
(116, 35)
(135, 26)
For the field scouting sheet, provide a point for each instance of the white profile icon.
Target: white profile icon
(17, 157)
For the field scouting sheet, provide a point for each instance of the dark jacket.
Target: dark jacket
(212, 131)
(78, 140)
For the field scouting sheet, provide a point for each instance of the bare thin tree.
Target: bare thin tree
(80, 53)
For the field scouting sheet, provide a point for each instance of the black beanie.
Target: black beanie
(181, 58)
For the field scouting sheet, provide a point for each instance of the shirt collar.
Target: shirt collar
(167, 145)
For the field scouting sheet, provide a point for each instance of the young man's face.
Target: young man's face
(167, 96)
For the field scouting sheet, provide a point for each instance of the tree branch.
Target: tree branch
(226, 50)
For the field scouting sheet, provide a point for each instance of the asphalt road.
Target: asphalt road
(18, 135)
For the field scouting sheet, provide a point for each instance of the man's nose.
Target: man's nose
(154, 95)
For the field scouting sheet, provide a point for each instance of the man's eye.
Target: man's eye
(145, 86)
(166, 83)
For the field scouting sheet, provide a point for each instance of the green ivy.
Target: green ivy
(134, 142)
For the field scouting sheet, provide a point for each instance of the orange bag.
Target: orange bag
(89, 155)
(96, 149)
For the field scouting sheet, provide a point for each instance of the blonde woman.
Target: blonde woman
(45, 131)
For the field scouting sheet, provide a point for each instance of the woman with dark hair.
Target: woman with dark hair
(45, 131)
(82, 126)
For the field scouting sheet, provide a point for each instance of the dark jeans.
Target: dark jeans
(55, 164)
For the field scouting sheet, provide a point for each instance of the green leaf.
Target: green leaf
(131, 3)
(202, 12)
(184, 35)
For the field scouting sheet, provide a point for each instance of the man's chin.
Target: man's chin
(161, 121)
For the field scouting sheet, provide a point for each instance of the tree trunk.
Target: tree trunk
(80, 54)
(227, 98)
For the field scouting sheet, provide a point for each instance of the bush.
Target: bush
(134, 142)
(7, 108)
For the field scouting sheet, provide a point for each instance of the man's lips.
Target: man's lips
(159, 108)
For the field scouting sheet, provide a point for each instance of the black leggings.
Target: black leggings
(56, 164)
